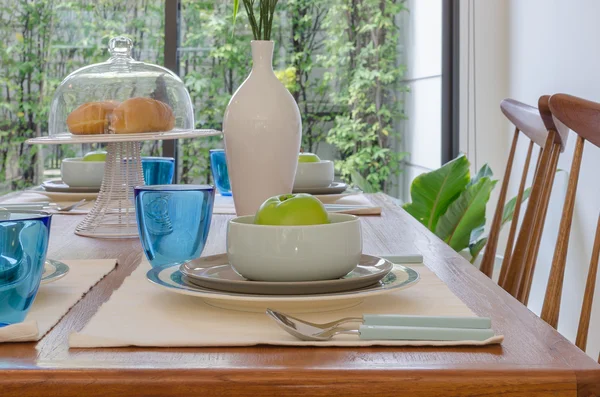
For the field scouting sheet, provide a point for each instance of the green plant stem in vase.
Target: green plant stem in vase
(261, 28)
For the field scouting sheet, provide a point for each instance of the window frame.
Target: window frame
(171, 62)
(450, 79)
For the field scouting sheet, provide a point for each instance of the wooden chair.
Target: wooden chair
(517, 267)
(583, 117)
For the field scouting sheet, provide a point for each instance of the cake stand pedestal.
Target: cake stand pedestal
(113, 214)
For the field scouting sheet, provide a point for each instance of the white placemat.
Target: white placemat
(141, 314)
(358, 204)
(61, 199)
(55, 299)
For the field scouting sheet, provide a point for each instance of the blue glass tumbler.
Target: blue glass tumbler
(23, 245)
(218, 166)
(158, 170)
(173, 221)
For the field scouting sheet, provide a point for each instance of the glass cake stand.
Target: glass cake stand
(113, 214)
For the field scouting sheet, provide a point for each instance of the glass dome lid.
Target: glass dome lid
(120, 96)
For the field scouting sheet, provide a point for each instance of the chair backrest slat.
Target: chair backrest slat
(510, 241)
(487, 263)
(517, 264)
(551, 307)
(532, 254)
(588, 295)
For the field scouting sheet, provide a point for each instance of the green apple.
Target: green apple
(291, 210)
(308, 158)
(95, 156)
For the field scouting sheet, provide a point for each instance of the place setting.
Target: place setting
(283, 265)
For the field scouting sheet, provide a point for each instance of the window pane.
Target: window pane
(343, 61)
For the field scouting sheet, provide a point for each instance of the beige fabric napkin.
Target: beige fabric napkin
(55, 299)
(355, 204)
(142, 314)
(61, 199)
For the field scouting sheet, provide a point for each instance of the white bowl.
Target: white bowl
(78, 173)
(314, 175)
(294, 253)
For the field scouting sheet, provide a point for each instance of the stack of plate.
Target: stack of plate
(217, 283)
(334, 188)
(60, 191)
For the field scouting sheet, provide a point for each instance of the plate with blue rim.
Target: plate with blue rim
(54, 270)
(170, 279)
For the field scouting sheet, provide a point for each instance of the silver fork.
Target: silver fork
(71, 207)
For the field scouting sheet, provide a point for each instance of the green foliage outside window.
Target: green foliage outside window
(338, 58)
(361, 59)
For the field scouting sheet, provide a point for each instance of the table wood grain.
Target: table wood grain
(534, 359)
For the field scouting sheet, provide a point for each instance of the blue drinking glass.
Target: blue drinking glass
(158, 170)
(23, 245)
(218, 165)
(173, 221)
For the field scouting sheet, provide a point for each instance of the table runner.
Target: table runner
(224, 204)
(141, 314)
(55, 299)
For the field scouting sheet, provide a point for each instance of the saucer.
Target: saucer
(216, 273)
(334, 188)
(54, 270)
(58, 186)
(170, 279)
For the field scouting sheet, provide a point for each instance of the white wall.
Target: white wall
(531, 48)
(483, 84)
(554, 48)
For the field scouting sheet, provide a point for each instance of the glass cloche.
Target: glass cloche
(120, 96)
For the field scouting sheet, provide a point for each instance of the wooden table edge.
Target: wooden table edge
(281, 382)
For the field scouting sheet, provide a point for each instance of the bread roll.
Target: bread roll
(137, 115)
(91, 118)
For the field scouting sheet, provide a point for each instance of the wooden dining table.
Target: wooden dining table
(533, 360)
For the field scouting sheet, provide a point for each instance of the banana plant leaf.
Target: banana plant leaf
(361, 182)
(509, 209)
(431, 193)
(476, 247)
(484, 171)
(465, 214)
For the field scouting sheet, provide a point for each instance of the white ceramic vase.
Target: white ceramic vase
(262, 130)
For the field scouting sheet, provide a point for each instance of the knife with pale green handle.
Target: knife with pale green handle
(400, 320)
(375, 332)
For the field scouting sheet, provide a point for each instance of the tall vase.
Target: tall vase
(262, 130)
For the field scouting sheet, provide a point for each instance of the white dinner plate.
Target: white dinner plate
(64, 197)
(216, 273)
(58, 186)
(172, 280)
(54, 270)
(334, 188)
